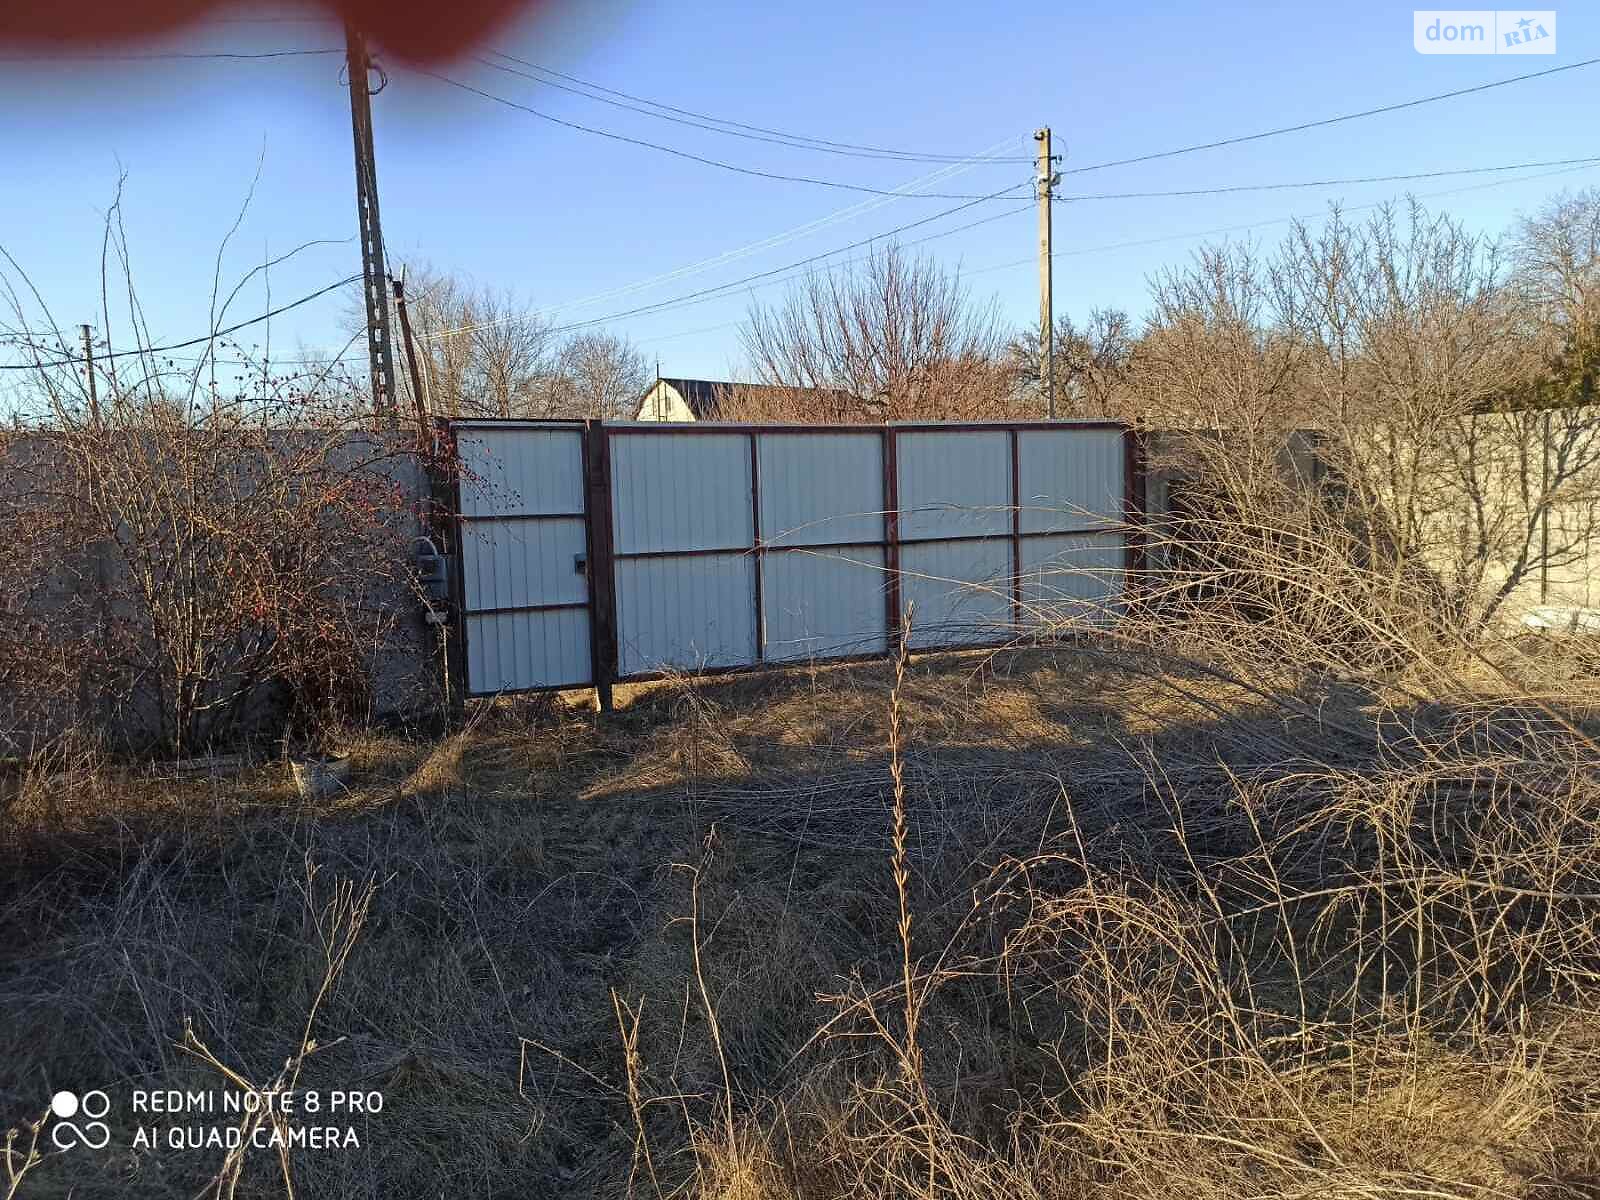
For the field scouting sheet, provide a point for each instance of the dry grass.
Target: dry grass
(1017, 925)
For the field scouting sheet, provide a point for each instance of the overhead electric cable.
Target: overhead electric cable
(147, 351)
(1315, 183)
(1325, 121)
(684, 154)
(738, 283)
(695, 120)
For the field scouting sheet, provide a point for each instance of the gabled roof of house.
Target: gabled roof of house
(701, 395)
(704, 396)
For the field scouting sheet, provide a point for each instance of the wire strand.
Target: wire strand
(732, 285)
(1314, 183)
(770, 242)
(1325, 121)
(697, 120)
(145, 351)
(684, 154)
(1195, 233)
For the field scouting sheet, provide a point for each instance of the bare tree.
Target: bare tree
(1091, 362)
(483, 352)
(1399, 343)
(601, 376)
(895, 338)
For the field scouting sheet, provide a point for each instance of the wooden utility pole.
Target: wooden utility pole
(379, 343)
(88, 374)
(1047, 350)
(417, 400)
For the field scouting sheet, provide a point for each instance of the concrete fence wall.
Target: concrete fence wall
(73, 591)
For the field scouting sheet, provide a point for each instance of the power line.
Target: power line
(722, 288)
(1178, 237)
(768, 243)
(148, 351)
(696, 120)
(1303, 126)
(1314, 183)
(684, 154)
(166, 55)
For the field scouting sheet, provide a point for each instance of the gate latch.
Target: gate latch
(580, 564)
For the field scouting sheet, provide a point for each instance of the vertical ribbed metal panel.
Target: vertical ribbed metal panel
(954, 484)
(820, 488)
(686, 613)
(1072, 578)
(512, 651)
(1070, 478)
(961, 591)
(680, 491)
(824, 603)
(520, 471)
(518, 553)
(521, 563)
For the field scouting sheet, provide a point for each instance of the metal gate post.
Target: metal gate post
(1134, 501)
(602, 573)
(444, 474)
(1016, 533)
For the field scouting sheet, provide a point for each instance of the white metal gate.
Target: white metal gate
(595, 553)
(524, 594)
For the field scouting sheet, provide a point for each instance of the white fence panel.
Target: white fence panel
(821, 488)
(954, 484)
(515, 563)
(516, 651)
(960, 591)
(523, 535)
(1070, 479)
(825, 603)
(676, 496)
(688, 613)
(1072, 577)
(680, 491)
(512, 470)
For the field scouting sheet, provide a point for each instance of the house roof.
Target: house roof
(701, 395)
(704, 396)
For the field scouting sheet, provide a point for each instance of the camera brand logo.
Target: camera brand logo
(78, 1120)
(1483, 31)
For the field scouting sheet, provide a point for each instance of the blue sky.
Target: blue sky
(561, 216)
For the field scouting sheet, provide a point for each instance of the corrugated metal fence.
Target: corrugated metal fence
(593, 553)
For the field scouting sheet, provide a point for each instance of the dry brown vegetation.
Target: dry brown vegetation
(1030, 924)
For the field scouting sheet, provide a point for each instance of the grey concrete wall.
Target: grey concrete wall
(401, 669)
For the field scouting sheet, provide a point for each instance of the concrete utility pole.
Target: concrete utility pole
(1047, 350)
(88, 373)
(380, 346)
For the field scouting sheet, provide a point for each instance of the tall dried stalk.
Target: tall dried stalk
(899, 864)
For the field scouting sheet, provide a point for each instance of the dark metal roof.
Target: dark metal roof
(704, 396)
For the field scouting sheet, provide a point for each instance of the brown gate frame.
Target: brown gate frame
(604, 650)
(450, 521)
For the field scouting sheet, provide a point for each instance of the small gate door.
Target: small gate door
(523, 525)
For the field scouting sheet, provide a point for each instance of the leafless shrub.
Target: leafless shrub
(184, 557)
(1377, 382)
